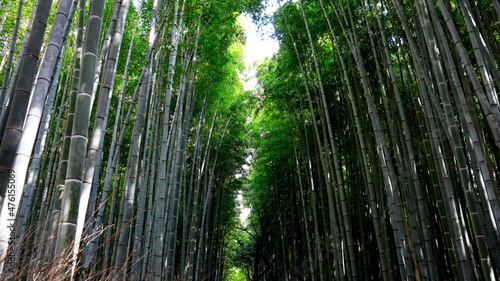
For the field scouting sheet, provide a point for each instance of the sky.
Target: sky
(259, 45)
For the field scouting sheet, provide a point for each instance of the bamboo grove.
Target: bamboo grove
(373, 137)
(376, 140)
(122, 132)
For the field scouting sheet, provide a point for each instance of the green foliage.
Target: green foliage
(323, 173)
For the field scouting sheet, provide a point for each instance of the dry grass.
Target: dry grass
(33, 259)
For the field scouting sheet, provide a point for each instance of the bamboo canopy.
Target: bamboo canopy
(131, 146)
